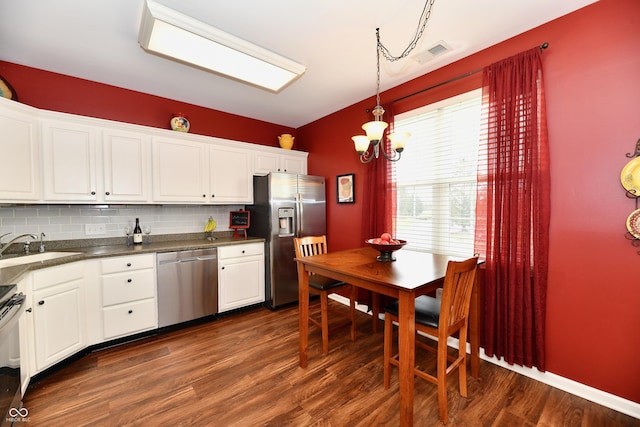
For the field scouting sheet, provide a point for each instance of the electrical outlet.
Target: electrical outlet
(94, 229)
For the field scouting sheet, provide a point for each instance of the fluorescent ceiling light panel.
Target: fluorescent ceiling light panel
(175, 35)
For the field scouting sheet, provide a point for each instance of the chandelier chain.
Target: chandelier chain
(422, 24)
(373, 144)
(378, 69)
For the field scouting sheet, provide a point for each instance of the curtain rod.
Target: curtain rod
(462, 76)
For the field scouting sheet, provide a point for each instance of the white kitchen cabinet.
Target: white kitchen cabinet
(240, 275)
(20, 153)
(69, 161)
(180, 171)
(87, 163)
(198, 172)
(266, 162)
(58, 313)
(52, 157)
(230, 172)
(126, 166)
(128, 291)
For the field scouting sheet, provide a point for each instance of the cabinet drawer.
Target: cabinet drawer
(126, 319)
(242, 250)
(54, 276)
(127, 286)
(126, 263)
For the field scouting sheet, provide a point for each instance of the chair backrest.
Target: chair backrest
(456, 293)
(310, 245)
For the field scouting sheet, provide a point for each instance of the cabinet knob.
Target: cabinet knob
(204, 195)
(129, 280)
(243, 251)
(29, 310)
(222, 268)
(107, 193)
(213, 195)
(41, 302)
(130, 311)
(128, 264)
(93, 193)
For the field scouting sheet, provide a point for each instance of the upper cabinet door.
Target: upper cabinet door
(126, 161)
(19, 151)
(281, 161)
(292, 164)
(230, 174)
(180, 171)
(69, 161)
(266, 162)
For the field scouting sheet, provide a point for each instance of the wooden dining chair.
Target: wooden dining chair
(440, 319)
(323, 286)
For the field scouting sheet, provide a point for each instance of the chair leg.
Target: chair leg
(375, 310)
(388, 341)
(442, 380)
(462, 368)
(324, 307)
(352, 311)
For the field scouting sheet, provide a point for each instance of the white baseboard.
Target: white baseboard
(592, 394)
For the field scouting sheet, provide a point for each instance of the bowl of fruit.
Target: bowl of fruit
(386, 245)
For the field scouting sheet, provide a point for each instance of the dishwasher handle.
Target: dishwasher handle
(193, 259)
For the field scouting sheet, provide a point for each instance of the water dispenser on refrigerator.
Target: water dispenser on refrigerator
(285, 219)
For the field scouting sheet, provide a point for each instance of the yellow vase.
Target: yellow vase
(286, 141)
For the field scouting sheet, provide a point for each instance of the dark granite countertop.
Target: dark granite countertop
(103, 248)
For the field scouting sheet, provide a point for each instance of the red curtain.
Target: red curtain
(513, 209)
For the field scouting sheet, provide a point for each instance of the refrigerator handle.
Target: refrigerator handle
(298, 214)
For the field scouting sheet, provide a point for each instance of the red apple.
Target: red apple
(376, 241)
(385, 236)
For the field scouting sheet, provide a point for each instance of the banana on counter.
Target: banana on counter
(210, 225)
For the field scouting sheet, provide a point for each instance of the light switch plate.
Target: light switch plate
(94, 229)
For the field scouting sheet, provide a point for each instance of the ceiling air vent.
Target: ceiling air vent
(435, 50)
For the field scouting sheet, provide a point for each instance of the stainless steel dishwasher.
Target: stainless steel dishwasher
(187, 285)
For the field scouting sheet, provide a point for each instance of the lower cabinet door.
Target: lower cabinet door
(57, 323)
(129, 318)
(240, 282)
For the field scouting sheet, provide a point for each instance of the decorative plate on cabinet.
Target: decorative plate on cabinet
(630, 176)
(6, 91)
(633, 223)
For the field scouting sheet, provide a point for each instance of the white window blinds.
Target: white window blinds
(436, 178)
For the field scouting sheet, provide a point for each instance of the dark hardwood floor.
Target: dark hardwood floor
(242, 370)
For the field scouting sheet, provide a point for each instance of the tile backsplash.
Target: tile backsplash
(67, 222)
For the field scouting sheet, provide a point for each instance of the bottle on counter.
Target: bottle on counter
(137, 233)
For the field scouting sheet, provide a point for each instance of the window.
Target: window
(436, 178)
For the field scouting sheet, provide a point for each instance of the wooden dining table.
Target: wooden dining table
(412, 274)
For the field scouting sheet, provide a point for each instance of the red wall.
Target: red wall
(57, 92)
(592, 81)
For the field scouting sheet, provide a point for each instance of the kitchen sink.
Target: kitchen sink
(28, 259)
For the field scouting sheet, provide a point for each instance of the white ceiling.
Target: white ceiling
(334, 39)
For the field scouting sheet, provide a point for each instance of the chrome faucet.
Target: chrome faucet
(4, 247)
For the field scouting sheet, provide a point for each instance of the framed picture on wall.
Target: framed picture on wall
(345, 188)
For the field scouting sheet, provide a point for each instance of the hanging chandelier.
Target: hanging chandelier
(370, 146)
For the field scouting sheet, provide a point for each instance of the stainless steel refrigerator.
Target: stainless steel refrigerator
(285, 206)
